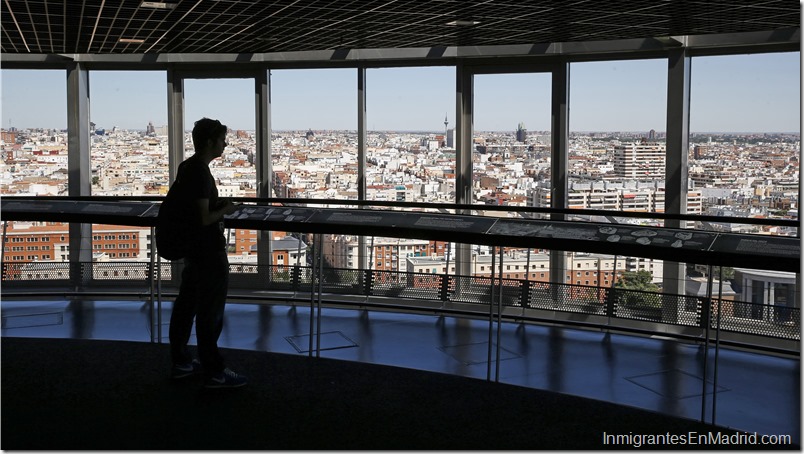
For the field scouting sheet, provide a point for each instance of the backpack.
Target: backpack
(172, 233)
(176, 237)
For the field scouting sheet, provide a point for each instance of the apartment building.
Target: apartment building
(49, 241)
(640, 196)
(640, 161)
(581, 268)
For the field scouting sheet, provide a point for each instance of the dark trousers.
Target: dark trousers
(202, 295)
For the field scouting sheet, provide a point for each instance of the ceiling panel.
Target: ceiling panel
(256, 26)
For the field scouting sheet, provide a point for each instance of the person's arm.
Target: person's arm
(207, 216)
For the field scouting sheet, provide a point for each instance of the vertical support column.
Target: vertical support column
(361, 158)
(3, 256)
(500, 295)
(314, 277)
(464, 113)
(78, 168)
(676, 181)
(708, 322)
(175, 103)
(262, 162)
(492, 288)
(152, 285)
(559, 161)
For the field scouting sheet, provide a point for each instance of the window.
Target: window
(314, 150)
(44, 130)
(408, 114)
(745, 122)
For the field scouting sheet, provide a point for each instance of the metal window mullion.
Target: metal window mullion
(676, 172)
(262, 161)
(361, 157)
(464, 112)
(175, 103)
(78, 166)
(559, 130)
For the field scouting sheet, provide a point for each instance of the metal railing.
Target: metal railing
(518, 298)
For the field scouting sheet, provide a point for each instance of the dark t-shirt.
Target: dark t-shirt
(194, 181)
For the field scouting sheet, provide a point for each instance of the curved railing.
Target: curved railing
(759, 325)
(497, 297)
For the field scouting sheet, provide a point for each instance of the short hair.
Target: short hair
(207, 129)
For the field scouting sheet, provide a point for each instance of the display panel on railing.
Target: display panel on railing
(772, 253)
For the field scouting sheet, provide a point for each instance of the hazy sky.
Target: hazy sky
(747, 93)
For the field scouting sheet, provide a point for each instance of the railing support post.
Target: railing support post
(524, 296)
(368, 282)
(443, 292)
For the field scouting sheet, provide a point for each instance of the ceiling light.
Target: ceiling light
(157, 5)
(463, 23)
(131, 40)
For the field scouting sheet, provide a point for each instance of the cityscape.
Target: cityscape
(733, 175)
(739, 175)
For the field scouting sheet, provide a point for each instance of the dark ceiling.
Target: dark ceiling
(263, 26)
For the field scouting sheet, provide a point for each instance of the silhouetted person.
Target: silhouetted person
(205, 279)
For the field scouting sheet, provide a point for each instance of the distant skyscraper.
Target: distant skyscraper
(150, 128)
(652, 134)
(446, 124)
(521, 133)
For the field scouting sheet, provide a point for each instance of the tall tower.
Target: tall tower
(446, 125)
(521, 133)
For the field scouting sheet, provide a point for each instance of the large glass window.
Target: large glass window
(314, 133)
(411, 134)
(128, 127)
(510, 137)
(617, 146)
(33, 136)
(511, 147)
(33, 149)
(128, 152)
(745, 137)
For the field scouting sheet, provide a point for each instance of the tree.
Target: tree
(642, 281)
(637, 280)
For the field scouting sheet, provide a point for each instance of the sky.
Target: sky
(745, 93)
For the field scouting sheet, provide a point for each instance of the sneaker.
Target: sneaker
(185, 370)
(226, 379)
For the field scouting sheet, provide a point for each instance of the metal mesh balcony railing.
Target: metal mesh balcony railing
(767, 320)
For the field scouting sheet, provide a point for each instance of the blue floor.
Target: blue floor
(755, 392)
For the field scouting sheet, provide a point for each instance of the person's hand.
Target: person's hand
(227, 207)
(230, 207)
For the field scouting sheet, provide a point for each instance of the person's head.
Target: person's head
(207, 134)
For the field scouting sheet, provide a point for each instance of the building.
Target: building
(770, 294)
(640, 161)
(641, 196)
(37, 241)
(594, 270)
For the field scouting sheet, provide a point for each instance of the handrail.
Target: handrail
(609, 214)
(678, 245)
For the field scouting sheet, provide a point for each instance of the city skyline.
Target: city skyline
(626, 96)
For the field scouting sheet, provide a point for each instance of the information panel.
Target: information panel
(271, 213)
(769, 246)
(632, 236)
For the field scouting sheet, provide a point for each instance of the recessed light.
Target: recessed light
(131, 40)
(157, 5)
(463, 23)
